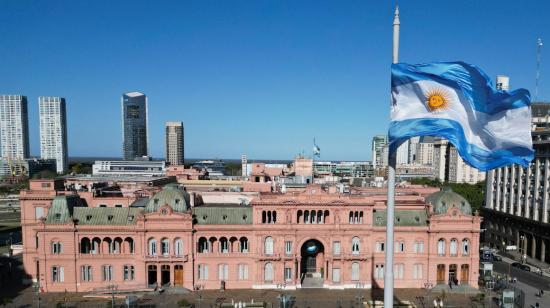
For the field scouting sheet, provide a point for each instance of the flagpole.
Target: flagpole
(388, 270)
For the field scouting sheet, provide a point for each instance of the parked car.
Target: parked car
(525, 267)
(497, 258)
(516, 264)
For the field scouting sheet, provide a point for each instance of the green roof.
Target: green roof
(171, 195)
(106, 215)
(446, 198)
(403, 218)
(62, 209)
(212, 215)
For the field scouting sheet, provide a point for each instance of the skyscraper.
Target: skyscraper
(174, 143)
(134, 125)
(14, 127)
(53, 131)
(378, 142)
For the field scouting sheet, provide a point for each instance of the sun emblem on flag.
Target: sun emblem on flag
(437, 99)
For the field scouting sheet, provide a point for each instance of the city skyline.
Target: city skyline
(322, 65)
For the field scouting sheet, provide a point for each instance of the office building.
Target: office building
(129, 168)
(53, 131)
(25, 167)
(450, 167)
(134, 125)
(378, 143)
(424, 151)
(14, 127)
(402, 156)
(174, 143)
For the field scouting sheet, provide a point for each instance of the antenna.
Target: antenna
(539, 46)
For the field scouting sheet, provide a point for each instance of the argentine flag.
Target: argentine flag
(457, 101)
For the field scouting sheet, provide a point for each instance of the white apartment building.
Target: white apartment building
(450, 167)
(14, 127)
(53, 131)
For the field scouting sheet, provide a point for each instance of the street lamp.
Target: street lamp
(36, 287)
(428, 286)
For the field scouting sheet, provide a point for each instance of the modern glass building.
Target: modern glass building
(14, 127)
(53, 131)
(134, 125)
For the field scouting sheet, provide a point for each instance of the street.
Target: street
(532, 279)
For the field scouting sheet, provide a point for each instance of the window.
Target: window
(244, 244)
(243, 271)
(107, 272)
(224, 245)
(288, 274)
(38, 212)
(465, 247)
(398, 270)
(335, 275)
(45, 185)
(178, 247)
(417, 271)
(380, 246)
(355, 245)
(355, 271)
(203, 272)
(454, 247)
(288, 247)
(379, 271)
(268, 272)
(441, 247)
(165, 246)
(268, 245)
(129, 272)
(336, 249)
(419, 247)
(57, 248)
(400, 246)
(223, 271)
(152, 243)
(58, 274)
(86, 273)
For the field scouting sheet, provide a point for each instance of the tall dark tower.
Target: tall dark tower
(134, 125)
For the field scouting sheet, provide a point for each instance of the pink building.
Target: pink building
(295, 240)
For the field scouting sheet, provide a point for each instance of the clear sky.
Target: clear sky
(260, 78)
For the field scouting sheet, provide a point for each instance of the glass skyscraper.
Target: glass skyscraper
(134, 125)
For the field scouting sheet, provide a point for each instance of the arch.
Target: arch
(96, 245)
(107, 245)
(313, 217)
(319, 217)
(152, 275)
(152, 246)
(129, 246)
(274, 216)
(440, 273)
(178, 247)
(203, 245)
(264, 217)
(355, 245)
(465, 247)
(85, 245)
(165, 246)
(464, 273)
(325, 216)
(298, 216)
(232, 242)
(350, 217)
(441, 247)
(361, 217)
(306, 216)
(312, 253)
(268, 272)
(224, 245)
(268, 217)
(268, 245)
(243, 244)
(453, 247)
(117, 245)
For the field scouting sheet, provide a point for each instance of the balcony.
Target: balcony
(273, 256)
(289, 256)
(106, 255)
(182, 258)
(223, 254)
(356, 256)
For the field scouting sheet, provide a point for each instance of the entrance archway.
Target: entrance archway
(312, 255)
(453, 273)
(178, 275)
(441, 273)
(464, 273)
(165, 274)
(152, 275)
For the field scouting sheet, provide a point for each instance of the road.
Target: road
(535, 280)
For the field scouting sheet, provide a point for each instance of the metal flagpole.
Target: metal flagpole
(388, 271)
(539, 45)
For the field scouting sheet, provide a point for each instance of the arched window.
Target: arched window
(243, 243)
(268, 217)
(264, 219)
(313, 217)
(306, 216)
(361, 217)
(274, 215)
(268, 245)
(178, 247)
(129, 245)
(325, 217)
(298, 216)
(319, 217)
(224, 245)
(465, 247)
(117, 245)
(165, 246)
(85, 245)
(453, 249)
(152, 244)
(355, 271)
(96, 245)
(441, 247)
(355, 245)
(350, 217)
(203, 245)
(268, 272)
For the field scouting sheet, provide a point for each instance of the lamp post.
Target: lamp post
(428, 286)
(36, 287)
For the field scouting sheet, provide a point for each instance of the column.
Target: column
(489, 189)
(159, 276)
(536, 191)
(545, 192)
(520, 186)
(505, 196)
(497, 175)
(542, 249)
(533, 246)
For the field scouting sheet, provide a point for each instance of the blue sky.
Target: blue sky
(260, 78)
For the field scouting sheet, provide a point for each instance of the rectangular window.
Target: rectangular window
(355, 271)
(379, 271)
(288, 274)
(419, 247)
(86, 273)
(288, 247)
(399, 246)
(398, 270)
(58, 274)
(223, 272)
(38, 212)
(336, 249)
(129, 272)
(107, 273)
(417, 271)
(335, 275)
(243, 271)
(56, 248)
(203, 272)
(380, 247)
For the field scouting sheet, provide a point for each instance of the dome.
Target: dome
(172, 195)
(447, 198)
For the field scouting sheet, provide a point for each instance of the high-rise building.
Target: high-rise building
(503, 83)
(14, 127)
(450, 167)
(378, 143)
(412, 148)
(53, 131)
(174, 143)
(244, 166)
(402, 156)
(134, 125)
(424, 150)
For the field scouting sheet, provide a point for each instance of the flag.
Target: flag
(457, 101)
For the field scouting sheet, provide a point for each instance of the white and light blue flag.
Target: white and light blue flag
(490, 128)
